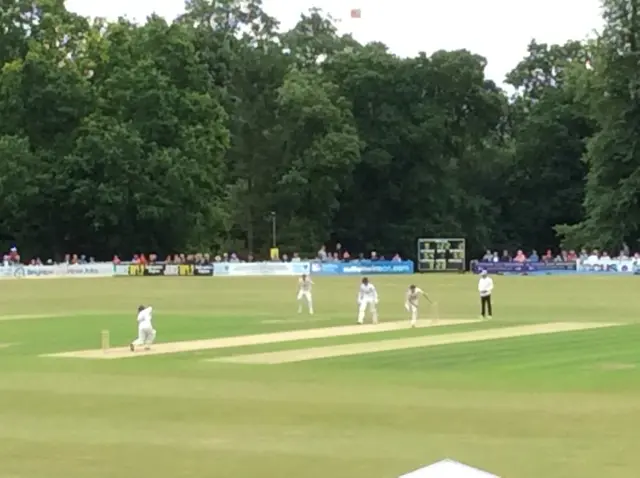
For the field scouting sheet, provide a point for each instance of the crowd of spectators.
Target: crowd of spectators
(13, 258)
(338, 254)
(341, 255)
(550, 256)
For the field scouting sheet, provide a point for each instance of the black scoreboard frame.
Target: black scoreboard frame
(440, 251)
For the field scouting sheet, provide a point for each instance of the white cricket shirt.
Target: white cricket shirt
(305, 284)
(145, 317)
(485, 286)
(368, 293)
(414, 296)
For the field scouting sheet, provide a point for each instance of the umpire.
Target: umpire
(485, 288)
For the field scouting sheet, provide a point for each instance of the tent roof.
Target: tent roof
(448, 469)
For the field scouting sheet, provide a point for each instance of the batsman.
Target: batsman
(411, 302)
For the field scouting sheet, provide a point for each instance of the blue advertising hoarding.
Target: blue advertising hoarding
(524, 268)
(606, 265)
(361, 268)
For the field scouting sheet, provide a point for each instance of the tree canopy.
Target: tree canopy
(187, 135)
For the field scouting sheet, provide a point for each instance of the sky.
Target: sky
(499, 30)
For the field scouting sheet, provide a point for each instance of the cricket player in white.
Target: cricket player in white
(411, 302)
(146, 332)
(304, 293)
(367, 298)
(485, 288)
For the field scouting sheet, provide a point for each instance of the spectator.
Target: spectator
(116, 260)
(296, 257)
(584, 255)
(397, 258)
(548, 256)
(374, 256)
(322, 253)
(594, 256)
(285, 258)
(346, 257)
(520, 257)
(534, 256)
(488, 256)
(505, 256)
(495, 257)
(339, 249)
(572, 256)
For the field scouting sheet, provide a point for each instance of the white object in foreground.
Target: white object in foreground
(448, 469)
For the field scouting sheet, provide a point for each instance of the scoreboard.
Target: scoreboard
(441, 255)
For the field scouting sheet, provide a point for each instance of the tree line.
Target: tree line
(186, 136)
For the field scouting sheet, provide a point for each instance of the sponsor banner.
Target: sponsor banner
(97, 269)
(524, 268)
(161, 269)
(609, 266)
(361, 268)
(237, 269)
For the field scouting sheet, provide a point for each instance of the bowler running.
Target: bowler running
(411, 302)
(367, 299)
(146, 332)
(304, 293)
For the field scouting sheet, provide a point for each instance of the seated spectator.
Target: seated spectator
(374, 256)
(14, 256)
(397, 258)
(594, 256)
(520, 257)
(296, 257)
(234, 258)
(505, 256)
(534, 256)
(346, 257)
(488, 256)
(495, 257)
(339, 249)
(116, 260)
(548, 256)
(285, 258)
(572, 256)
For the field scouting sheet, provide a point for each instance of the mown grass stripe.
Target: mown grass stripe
(316, 353)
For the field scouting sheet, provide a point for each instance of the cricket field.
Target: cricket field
(240, 385)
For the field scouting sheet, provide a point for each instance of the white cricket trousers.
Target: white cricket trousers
(362, 309)
(146, 336)
(413, 310)
(304, 296)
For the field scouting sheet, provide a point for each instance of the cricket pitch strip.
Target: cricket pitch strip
(316, 353)
(258, 339)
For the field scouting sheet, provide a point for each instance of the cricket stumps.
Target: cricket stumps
(105, 341)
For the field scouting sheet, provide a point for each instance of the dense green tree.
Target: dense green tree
(191, 135)
(613, 159)
(548, 129)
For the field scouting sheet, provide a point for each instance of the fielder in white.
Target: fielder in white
(304, 293)
(146, 332)
(411, 302)
(367, 298)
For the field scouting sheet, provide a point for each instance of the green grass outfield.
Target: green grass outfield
(556, 405)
